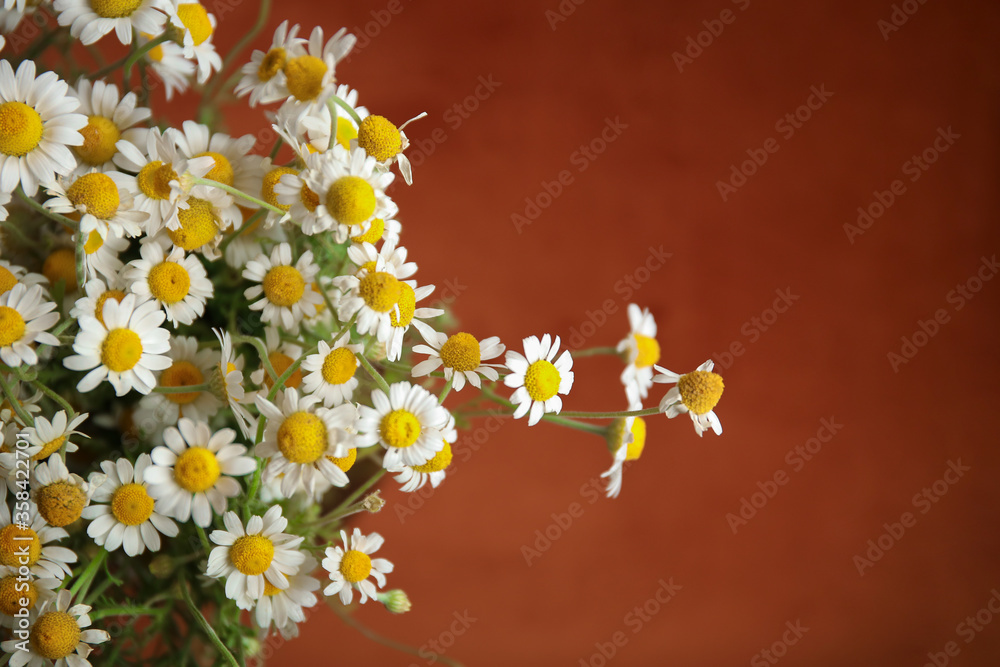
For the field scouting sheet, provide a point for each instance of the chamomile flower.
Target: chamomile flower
(408, 422)
(27, 593)
(316, 124)
(190, 367)
(110, 121)
(58, 636)
(461, 355)
(300, 436)
(385, 142)
(193, 472)
(349, 567)
(124, 349)
(351, 192)
(413, 477)
(168, 62)
(365, 256)
(233, 165)
(201, 221)
(123, 513)
(249, 559)
(264, 77)
(59, 495)
(372, 296)
(626, 440)
(89, 20)
(329, 373)
(51, 436)
(177, 283)
(102, 201)
(292, 192)
(96, 293)
(380, 230)
(12, 274)
(40, 123)
(538, 377)
(101, 255)
(284, 608)
(641, 351)
(195, 26)
(406, 313)
(696, 393)
(281, 355)
(286, 288)
(231, 381)
(20, 541)
(309, 72)
(25, 318)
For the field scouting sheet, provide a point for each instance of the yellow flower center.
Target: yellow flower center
(380, 291)
(284, 286)
(61, 265)
(270, 180)
(223, 169)
(252, 554)
(280, 363)
(541, 380)
(50, 448)
(270, 589)
(399, 428)
(196, 469)
(20, 129)
(94, 243)
(374, 233)
(379, 138)
(156, 53)
(114, 9)
(350, 200)
(154, 180)
(355, 566)
(345, 463)
(199, 225)
(302, 437)
(60, 503)
(440, 461)
(648, 351)
(169, 282)
(195, 19)
(271, 64)
(182, 374)
(55, 635)
(305, 76)
(17, 544)
(121, 350)
(99, 137)
(115, 294)
(97, 193)
(7, 280)
(308, 198)
(12, 326)
(339, 366)
(132, 504)
(10, 596)
(700, 391)
(345, 132)
(635, 447)
(461, 352)
(407, 306)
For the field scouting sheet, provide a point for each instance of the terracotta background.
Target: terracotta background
(826, 357)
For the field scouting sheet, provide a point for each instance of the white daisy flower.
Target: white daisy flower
(385, 142)
(96, 293)
(264, 76)
(380, 230)
(190, 367)
(538, 377)
(284, 608)
(329, 373)
(197, 27)
(168, 62)
(300, 437)
(32, 535)
(201, 220)
(193, 472)
(406, 313)
(281, 355)
(461, 355)
(413, 477)
(124, 349)
(177, 283)
(101, 255)
(109, 122)
(51, 436)
(641, 351)
(696, 393)
(309, 72)
(233, 164)
(25, 318)
(89, 20)
(57, 637)
(12, 274)
(102, 201)
(349, 567)
(365, 256)
(59, 495)
(130, 517)
(286, 288)
(408, 422)
(249, 559)
(231, 377)
(40, 123)
(292, 192)
(626, 439)
(27, 593)
(371, 296)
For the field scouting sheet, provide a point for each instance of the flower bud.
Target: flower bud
(396, 601)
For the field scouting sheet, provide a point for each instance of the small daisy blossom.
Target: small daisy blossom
(24, 321)
(12, 274)
(641, 351)
(102, 200)
(287, 290)
(177, 283)
(51, 436)
(364, 255)
(40, 124)
(626, 439)
(538, 377)
(96, 292)
(252, 558)
(372, 296)
(284, 608)
(59, 495)
(168, 62)
(309, 71)
(190, 367)
(231, 380)
(101, 255)
(461, 354)
(129, 517)
(415, 477)
(16, 590)
(124, 347)
(409, 423)
(329, 373)
(386, 143)
(59, 634)
(350, 566)
(20, 531)
(696, 393)
(89, 21)
(233, 164)
(197, 27)
(193, 472)
(406, 313)
(109, 123)
(264, 77)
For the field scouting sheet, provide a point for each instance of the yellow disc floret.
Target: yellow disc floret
(308, 198)
(399, 428)
(280, 363)
(355, 566)
(60, 503)
(440, 461)
(252, 554)
(115, 9)
(115, 294)
(302, 437)
(13, 592)
(272, 63)
(271, 178)
(541, 380)
(7, 280)
(223, 169)
(635, 447)
(55, 635)
(94, 243)
(345, 132)
(154, 180)
(19, 546)
(350, 200)
(380, 290)
(648, 351)
(407, 303)
(131, 504)
(345, 463)
(121, 350)
(700, 391)
(380, 138)
(461, 352)
(305, 76)
(199, 225)
(284, 286)
(169, 282)
(61, 265)
(12, 326)
(20, 129)
(196, 469)
(100, 135)
(374, 233)
(50, 448)
(97, 193)
(182, 374)
(195, 18)
(339, 366)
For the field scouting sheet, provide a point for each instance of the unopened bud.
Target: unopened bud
(396, 601)
(373, 502)
(161, 566)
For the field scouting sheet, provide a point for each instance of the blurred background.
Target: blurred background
(804, 192)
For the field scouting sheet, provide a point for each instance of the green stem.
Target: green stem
(379, 639)
(379, 380)
(63, 403)
(351, 499)
(81, 260)
(206, 627)
(612, 415)
(123, 611)
(346, 107)
(258, 345)
(239, 193)
(204, 539)
(21, 413)
(560, 419)
(62, 326)
(14, 229)
(594, 351)
(446, 390)
(244, 227)
(140, 52)
(62, 219)
(82, 584)
(185, 389)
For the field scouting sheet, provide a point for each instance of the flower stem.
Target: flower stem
(206, 627)
(349, 620)
(594, 351)
(244, 227)
(63, 403)
(379, 380)
(613, 415)
(560, 419)
(139, 53)
(82, 584)
(239, 193)
(21, 413)
(346, 107)
(123, 611)
(446, 390)
(62, 219)
(184, 389)
(357, 493)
